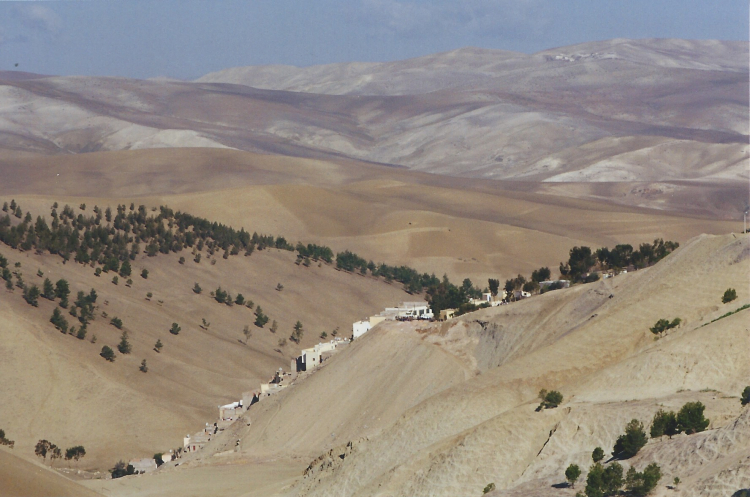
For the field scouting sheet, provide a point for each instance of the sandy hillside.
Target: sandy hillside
(465, 228)
(457, 437)
(138, 414)
(611, 111)
(19, 478)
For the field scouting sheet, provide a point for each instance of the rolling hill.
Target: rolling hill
(469, 419)
(614, 111)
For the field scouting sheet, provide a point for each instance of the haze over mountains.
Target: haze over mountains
(619, 110)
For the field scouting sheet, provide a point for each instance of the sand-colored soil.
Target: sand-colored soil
(596, 350)
(20, 478)
(465, 228)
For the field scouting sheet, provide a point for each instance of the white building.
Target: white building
(312, 358)
(360, 328)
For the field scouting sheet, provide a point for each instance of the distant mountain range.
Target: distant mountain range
(618, 110)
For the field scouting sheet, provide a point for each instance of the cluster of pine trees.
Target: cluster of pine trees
(582, 259)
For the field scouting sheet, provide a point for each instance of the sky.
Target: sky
(185, 39)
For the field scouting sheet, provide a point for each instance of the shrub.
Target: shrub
(628, 444)
(108, 354)
(598, 454)
(641, 484)
(5, 441)
(745, 397)
(729, 295)
(690, 419)
(550, 400)
(197, 288)
(144, 274)
(239, 300)
(116, 322)
(144, 367)
(121, 469)
(158, 345)
(489, 488)
(663, 325)
(115, 280)
(182, 260)
(279, 287)
(175, 329)
(572, 473)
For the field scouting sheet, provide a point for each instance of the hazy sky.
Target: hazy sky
(188, 38)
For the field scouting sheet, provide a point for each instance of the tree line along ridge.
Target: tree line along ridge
(111, 239)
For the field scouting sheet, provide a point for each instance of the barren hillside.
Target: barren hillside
(19, 478)
(454, 438)
(614, 111)
(115, 410)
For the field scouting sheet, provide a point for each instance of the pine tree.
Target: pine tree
(59, 321)
(108, 354)
(158, 345)
(633, 440)
(144, 367)
(48, 289)
(124, 346)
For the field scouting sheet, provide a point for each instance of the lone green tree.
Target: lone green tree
(158, 345)
(108, 353)
(690, 418)
(124, 346)
(572, 473)
(745, 397)
(175, 329)
(297, 332)
(629, 443)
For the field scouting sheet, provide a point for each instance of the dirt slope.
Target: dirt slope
(596, 350)
(20, 478)
(136, 414)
